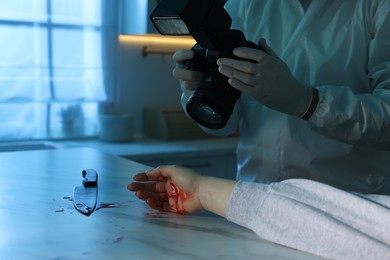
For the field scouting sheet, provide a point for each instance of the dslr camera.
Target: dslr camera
(213, 100)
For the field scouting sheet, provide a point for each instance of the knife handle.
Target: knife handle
(90, 178)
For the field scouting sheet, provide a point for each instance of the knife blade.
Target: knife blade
(85, 197)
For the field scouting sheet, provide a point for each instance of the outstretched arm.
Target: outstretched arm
(297, 213)
(314, 217)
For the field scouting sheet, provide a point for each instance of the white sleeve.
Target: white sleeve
(361, 119)
(235, 8)
(314, 218)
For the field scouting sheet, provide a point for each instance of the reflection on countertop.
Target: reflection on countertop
(139, 147)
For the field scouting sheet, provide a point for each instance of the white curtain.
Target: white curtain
(57, 62)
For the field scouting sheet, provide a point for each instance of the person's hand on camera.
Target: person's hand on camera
(267, 79)
(188, 79)
(169, 188)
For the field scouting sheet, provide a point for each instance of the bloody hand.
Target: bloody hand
(168, 188)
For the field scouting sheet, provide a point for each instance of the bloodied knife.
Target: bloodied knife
(85, 197)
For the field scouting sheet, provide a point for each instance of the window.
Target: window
(53, 67)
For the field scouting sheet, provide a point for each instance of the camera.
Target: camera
(207, 21)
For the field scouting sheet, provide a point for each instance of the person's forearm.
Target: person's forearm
(314, 217)
(214, 194)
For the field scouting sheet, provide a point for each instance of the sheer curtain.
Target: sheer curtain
(57, 62)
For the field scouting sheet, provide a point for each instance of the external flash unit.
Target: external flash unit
(205, 20)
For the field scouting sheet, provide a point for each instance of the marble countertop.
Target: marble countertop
(38, 220)
(146, 147)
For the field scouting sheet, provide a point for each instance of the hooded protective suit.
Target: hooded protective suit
(342, 48)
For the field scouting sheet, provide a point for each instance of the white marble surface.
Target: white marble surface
(141, 148)
(38, 221)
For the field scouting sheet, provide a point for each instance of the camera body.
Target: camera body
(213, 100)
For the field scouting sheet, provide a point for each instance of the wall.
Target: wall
(145, 81)
(142, 80)
(135, 16)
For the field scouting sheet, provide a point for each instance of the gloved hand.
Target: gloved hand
(267, 79)
(188, 79)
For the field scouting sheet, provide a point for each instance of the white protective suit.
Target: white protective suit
(342, 48)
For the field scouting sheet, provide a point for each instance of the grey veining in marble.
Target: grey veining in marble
(38, 220)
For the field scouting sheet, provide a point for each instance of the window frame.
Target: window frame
(49, 27)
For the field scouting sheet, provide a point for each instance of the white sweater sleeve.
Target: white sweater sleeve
(314, 218)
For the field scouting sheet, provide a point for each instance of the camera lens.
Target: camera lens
(213, 101)
(207, 112)
(208, 115)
